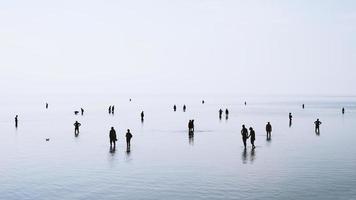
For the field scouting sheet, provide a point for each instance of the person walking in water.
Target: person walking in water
(16, 120)
(184, 108)
(252, 137)
(317, 125)
(343, 110)
(76, 127)
(244, 134)
(128, 139)
(268, 130)
(142, 115)
(220, 113)
(174, 108)
(112, 136)
(290, 119)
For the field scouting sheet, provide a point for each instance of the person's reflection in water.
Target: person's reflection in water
(244, 156)
(252, 155)
(191, 137)
(112, 150)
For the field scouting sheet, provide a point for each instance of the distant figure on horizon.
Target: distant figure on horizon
(290, 119)
(46, 105)
(252, 137)
(343, 110)
(130, 99)
(268, 130)
(317, 125)
(109, 109)
(191, 126)
(82, 111)
(220, 113)
(16, 120)
(112, 109)
(245, 103)
(184, 108)
(174, 108)
(203, 102)
(128, 139)
(142, 115)
(76, 112)
(226, 114)
(244, 134)
(112, 136)
(76, 127)
(303, 106)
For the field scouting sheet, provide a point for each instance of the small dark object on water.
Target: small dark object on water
(76, 112)
(47, 139)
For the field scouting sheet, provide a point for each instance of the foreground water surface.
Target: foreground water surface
(164, 163)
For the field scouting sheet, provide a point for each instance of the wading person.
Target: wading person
(252, 137)
(76, 127)
(244, 134)
(317, 125)
(268, 130)
(128, 139)
(112, 136)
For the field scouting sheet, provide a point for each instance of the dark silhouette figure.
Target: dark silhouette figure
(112, 136)
(343, 110)
(76, 127)
(82, 111)
(112, 109)
(191, 126)
(16, 120)
(303, 106)
(244, 134)
(220, 113)
(203, 102)
(130, 99)
(268, 130)
(142, 116)
(76, 112)
(226, 114)
(175, 108)
(317, 126)
(290, 119)
(184, 108)
(245, 103)
(46, 105)
(252, 137)
(128, 139)
(109, 109)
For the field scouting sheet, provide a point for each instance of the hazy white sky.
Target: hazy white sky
(254, 47)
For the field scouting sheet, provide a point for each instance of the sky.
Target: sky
(179, 46)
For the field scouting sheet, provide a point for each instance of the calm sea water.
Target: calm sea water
(164, 163)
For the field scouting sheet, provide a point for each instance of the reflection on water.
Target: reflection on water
(162, 165)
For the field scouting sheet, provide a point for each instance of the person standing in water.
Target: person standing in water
(317, 125)
(303, 106)
(290, 119)
(112, 109)
(244, 134)
(343, 110)
(16, 120)
(46, 105)
(174, 108)
(109, 109)
(112, 136)
(82, 111)
(252, 137)
(220, 113)
(184, 108)
(76, 127)
(268, 130)
(128, 139)
(142, 115)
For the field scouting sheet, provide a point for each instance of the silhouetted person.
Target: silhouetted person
(317, 125)
(82, 111)
(76, 127)
(290, 119)
(203, 102)
(128, 139)
(142, 115)
(16, 120)
(109, 109)
(130, 99)
(112, 136)
(226, 112)
(220, 113)
(244, 134)
(343, 110)
(268, 130)
(191, 126)
(175, 108)
(184, 108)
(252, 137)
(112, 109)
(303, 106)
(46, 105)
(245, 103)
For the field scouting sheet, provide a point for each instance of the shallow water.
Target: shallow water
(164, 163)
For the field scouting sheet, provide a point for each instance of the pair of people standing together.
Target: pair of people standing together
(113, 138)
(246, 135)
